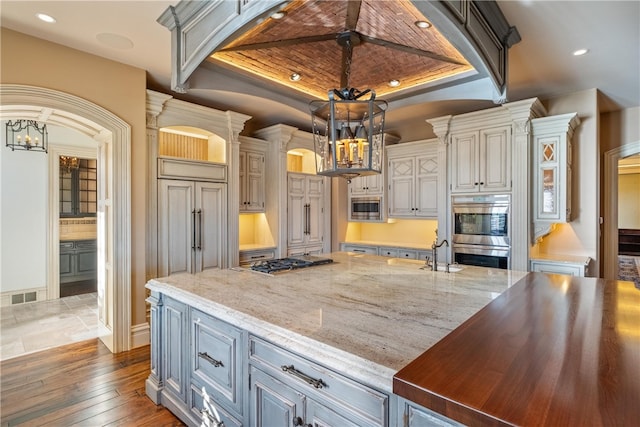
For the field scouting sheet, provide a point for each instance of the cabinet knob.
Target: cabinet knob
(297, 421)
(482, 183)
(475, 183)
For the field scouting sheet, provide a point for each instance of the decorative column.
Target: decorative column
(279, 137)
(441, 128)
(154, 106)
(521, 114)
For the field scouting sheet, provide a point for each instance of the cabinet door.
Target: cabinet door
(66, 264)
(401, 186)
(464, 162)
(176, 220)
(296, 209)
(210, 222)
(174, 348)
(427, 186)
(495, 159)
(273, 403)
(315, 209)
(254, 195)
(242, 178)
(366, 185)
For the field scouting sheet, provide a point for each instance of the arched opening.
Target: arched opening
(113, 136)
(612, 158)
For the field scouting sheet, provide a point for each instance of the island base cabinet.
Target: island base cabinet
(345, 402)
(413, 415)
(208, 412)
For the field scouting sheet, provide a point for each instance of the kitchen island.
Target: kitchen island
(344, 344)
(363, 317)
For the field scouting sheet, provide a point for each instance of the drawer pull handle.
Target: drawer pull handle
(317, 383)
(214, 362)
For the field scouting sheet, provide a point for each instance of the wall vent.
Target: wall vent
(22, 298)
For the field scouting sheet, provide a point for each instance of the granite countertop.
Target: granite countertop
(364, 315)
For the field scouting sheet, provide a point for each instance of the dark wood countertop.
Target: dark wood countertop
(551, 350)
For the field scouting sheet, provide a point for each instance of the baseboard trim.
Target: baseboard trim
(140, 335)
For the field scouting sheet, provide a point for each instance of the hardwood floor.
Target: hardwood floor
(81, 384)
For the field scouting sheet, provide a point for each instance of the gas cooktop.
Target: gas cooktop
(289, 263)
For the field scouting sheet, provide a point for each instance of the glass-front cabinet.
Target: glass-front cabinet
(552, 167)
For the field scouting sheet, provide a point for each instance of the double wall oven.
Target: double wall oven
(481, 232)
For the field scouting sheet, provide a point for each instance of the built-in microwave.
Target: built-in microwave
(365, 209)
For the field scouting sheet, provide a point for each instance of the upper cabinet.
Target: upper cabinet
(368, 185)
(552, 167)
(413, 175)
(481, 160)
(251, 169)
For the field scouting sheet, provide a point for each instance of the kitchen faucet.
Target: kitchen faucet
(434, 254)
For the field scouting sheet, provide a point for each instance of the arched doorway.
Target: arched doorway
(113, 232)
(611, 159)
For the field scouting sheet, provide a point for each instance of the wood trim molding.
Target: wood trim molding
(118, 152)
(610, 237)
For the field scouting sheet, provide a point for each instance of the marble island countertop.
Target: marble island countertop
(366, 315)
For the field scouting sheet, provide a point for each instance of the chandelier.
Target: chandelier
(27, 135)
(67, 164)
(348, 129)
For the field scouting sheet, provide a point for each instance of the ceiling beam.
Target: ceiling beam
(353, 13)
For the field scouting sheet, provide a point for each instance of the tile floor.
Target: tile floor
(26, 328)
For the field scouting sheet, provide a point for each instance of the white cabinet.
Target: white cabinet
(368, 185)
(552, 166)
(251, 181)
(413, 174)
(578, 268)
(191, 224)
(305, 213)
(481, 160)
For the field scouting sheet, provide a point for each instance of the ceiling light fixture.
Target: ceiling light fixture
(27, 135)
(294, 77)
(46, 18)
(422, 24)
(67, 163)
(394, 83)
(348, 129)
(580, 52)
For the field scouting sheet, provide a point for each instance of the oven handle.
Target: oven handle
(501, 251)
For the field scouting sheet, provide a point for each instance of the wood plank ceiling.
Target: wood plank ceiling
(384, 44)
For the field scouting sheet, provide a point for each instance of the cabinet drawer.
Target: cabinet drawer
(216, 359)
(423, 255)
(247, 257)
(392, 252)
(558, 268)
(202, 405)
(86, 245)
(369, 405)
(66, 246)
(360, 249)
(407, 254)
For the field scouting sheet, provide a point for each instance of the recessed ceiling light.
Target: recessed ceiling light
(580, 52)
(278, 15)
(394, 83)
(294, 77)
(422, 24)
(46, 18)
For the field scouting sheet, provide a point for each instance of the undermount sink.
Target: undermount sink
(443, 268)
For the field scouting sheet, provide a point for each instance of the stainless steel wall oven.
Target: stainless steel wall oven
(482, 230)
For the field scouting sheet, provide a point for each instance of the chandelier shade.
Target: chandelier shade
(348, 133)
(27, 135)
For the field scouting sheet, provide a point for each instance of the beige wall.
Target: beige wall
(119, 88)
(629, 201)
